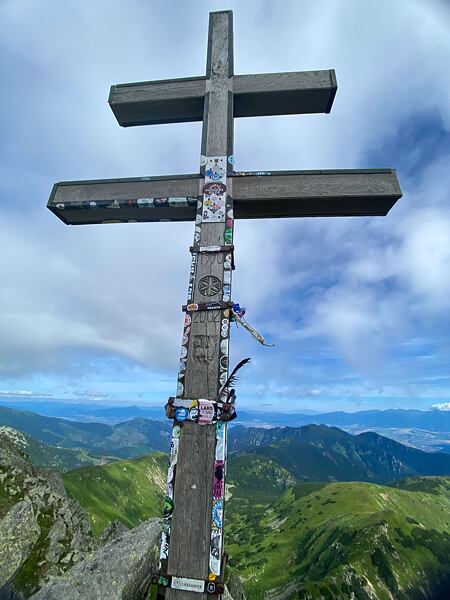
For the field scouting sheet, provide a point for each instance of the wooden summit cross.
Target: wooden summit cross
(194, 500)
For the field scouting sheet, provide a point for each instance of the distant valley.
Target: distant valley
(426, 430)
(309, 453)
(130, 438)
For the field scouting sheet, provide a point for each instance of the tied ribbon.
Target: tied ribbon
(238, 313)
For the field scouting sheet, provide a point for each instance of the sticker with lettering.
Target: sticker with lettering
(184, 583)
(206, 411)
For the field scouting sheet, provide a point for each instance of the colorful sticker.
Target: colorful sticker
(181, 414)
(214, 190)
(228, 235)
(215, 552)
(217, 513)
(206, 411)
(192, 273)
(219, 467)
(168, 499)
(185, 583)
(220, 449)
(193, 413)
(164, 552)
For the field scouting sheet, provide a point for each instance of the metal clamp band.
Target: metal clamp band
(198, 248)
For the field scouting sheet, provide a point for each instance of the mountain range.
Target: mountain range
(298, 525)
(290, 540)
(424, 429)
(321, 453)
(309, 453)
(130, 438)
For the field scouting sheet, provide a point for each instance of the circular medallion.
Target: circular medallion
(209, 285)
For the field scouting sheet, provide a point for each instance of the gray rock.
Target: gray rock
(233, 589)
(111, 532)
(120, 570)
(57, 531)
(54, 552)
(19, 532)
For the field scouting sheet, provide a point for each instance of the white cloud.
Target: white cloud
(24, 394)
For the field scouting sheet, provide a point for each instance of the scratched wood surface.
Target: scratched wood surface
(284, 194)
(191, 520)
(284, 93)
(150, 103)
(216, 99)
(180, 100)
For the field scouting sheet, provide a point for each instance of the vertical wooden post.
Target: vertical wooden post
(206, 336)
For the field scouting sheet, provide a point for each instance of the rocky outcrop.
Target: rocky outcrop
(120, 570)
(47, 548)
(42, 532)
(19, 532)
(234, 589)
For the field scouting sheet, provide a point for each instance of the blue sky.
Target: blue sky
(358, 308)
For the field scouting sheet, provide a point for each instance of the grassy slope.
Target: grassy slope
(370, 539)
(344, 538)
(256, 479)
(128, 490)
(132, 490)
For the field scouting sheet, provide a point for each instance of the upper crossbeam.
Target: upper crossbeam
(180, 100)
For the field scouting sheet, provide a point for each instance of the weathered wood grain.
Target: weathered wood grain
(180, 100)
(217, 98)
(316, 193)
(191, 520)
(191, 516)
(153, 102)
(284, 93)
(280, 194)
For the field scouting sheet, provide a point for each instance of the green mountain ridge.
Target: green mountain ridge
(300, 541)
(124, 440)
(43, 455)
(309, 453)
(321, 453)
(310, 541)
(130, 491)
(337, 539)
